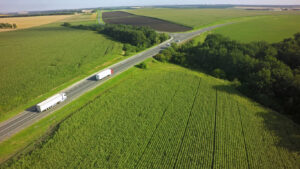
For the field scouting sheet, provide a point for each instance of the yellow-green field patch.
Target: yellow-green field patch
(270, 29)
(198, 18)
(28, 22)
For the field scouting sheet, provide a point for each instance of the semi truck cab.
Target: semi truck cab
(64, 97)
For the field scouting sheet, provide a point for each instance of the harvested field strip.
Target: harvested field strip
(82, 19)
(28, 22)
(119, 17)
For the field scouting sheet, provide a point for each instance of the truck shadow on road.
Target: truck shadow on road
(32, 109)
(93, 78)
(228, 89)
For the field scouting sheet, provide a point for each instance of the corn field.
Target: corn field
(169, 117)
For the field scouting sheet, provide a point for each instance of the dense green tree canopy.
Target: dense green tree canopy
(8, 26)
(269, 73)
(135, 38)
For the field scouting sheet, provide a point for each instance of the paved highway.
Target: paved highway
(30, 116)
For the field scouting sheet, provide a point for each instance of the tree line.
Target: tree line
(8, 26)
(268, 73)
(134, 38)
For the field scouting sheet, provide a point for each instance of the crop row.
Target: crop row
(162, 118)
(162, 151)
(267, 139)
(114, 129)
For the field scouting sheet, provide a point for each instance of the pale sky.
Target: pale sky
(37, 5)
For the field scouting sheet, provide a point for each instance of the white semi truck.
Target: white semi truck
(104, 74)
(50, 102)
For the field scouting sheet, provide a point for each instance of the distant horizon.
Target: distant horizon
(16, 6)
(58, 9)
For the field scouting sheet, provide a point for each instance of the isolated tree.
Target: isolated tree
(66, 24)
(219, 73)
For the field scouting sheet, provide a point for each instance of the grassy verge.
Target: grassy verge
(200, 38)
(99, 17)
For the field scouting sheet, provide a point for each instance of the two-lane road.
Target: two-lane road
(30, 116)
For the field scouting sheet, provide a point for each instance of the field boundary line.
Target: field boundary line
(215, 128)
(243, 133)
(156, 127)
(187, 123)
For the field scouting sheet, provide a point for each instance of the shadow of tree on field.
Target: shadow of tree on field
(228, 89)
(286, 130)
(32, 109)
(53, 28)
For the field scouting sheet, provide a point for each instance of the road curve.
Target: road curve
(30, 116)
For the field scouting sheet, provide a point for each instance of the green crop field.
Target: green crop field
(38, 60)
(198, 18)
(270, 29)
(167, 116)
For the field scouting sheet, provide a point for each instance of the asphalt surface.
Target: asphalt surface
(30, 116)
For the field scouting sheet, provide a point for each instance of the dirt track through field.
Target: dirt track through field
(187, 125)
(215, 128)
(244, 138)
(157, 125)
(119, 17)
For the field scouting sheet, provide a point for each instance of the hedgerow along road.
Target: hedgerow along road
(31, 115)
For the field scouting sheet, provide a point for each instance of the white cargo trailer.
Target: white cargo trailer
(52, 101)
(104, 74)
